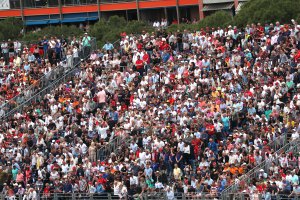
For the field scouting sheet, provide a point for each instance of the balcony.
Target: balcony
(15, 4)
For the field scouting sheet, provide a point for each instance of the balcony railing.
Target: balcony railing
(15, 4)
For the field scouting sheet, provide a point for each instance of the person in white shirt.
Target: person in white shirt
(295, 135)
(181, 145)
(133, 146)
(102, 131)
(170, 193)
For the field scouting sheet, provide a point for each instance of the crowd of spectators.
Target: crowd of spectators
(196, 111)
(23, 65)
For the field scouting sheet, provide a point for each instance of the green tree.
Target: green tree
(111, 29)
(10, 28)
(57, 31)
(267, 11)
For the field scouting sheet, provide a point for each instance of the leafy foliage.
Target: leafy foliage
(53, 31)
(111, 29)
(267, 11)
(218, 19)
(10, 28)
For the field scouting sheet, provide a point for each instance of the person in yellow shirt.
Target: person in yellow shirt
(214, 93)
(177, 172)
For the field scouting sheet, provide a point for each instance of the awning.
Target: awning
(54, 21)
(73, 20)
(92, 19)
(238, 8)
(33, 22)
(219, 6)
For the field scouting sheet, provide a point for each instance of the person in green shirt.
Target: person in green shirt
(289, 83)
(14, 172)
(86, 43)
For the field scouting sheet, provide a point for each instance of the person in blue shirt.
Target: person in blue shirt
(67, 187)
(226, 123)
(165, 56)
(27, 66)
(248, 55)
(108, 46)
(212, 145)
(58, 49)
(45, 46)
(31, 57)
(99, 188)
(251, 110)
(206, 64)
(221, 187)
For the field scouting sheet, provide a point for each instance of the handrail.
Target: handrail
(113, 146)
(263, 165)
(276, 145)
(152, 196)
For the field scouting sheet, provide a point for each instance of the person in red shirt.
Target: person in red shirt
(47, 190)
(139, 64)
(146, 59)
(210, 128)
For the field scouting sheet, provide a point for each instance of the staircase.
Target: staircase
(233, 191)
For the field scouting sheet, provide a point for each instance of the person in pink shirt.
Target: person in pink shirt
(20, 177)
(119, 78)
(101, 97)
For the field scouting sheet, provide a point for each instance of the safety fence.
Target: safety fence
(152, 196)
(255, 172)
(47, 82)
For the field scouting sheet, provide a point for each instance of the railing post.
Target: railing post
(55, 196)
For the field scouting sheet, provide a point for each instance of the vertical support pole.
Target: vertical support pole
(201, 13)
(127, 15)
(22, 15)
(166, 13)
(60, 12)
(177, 11)
(98, 6)
(138, 10)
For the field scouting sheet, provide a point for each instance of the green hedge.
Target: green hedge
(53, 31)
(218, 19)
(267, 11)
(111, 29)
(10, 28)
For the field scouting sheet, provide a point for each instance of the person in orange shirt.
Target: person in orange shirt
(226, 167)
(242, 168)
(234, 169)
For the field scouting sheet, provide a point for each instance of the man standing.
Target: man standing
(139, 64)
(101, 96)
(86, 43)
(4, 48)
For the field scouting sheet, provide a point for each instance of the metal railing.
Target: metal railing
(265, 165)
(276, 145)
(22, 99)
(109, 196)
(55, 3)
(116, 145)
(153, 196)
